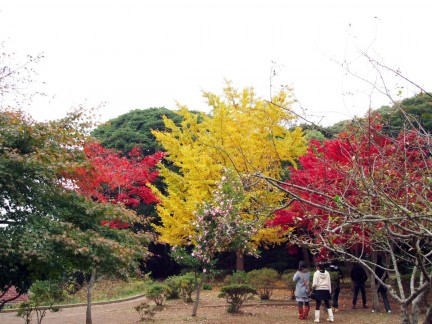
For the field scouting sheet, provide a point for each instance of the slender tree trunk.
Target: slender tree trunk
(306, 259)
(240, 261)
(428, 318)
(89, 296)
(373, 285)
(198, 285)
(405, 318)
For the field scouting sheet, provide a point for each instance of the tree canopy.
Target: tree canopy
(47, 228)
(242, 133)
(133, 129)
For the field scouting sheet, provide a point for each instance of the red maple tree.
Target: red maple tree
(362, 172)
(111, 177)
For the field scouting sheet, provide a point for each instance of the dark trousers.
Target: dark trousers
(383, 292)
(359, 286)
(335, 297)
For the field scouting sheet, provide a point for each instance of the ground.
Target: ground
(213, 310)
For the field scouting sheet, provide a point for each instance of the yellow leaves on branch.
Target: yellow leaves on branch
(243, 133)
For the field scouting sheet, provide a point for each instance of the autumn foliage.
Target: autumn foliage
(363, 173)
(110, 177)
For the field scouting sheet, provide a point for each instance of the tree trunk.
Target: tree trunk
(306, 259)
(428, 318)
(405, 318)
(198, 285)
(373, 284)
(240, 261)
(89, 296)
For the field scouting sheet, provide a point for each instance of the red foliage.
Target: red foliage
(336, 170)
(113, 178)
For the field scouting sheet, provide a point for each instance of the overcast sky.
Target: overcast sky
(140, 54)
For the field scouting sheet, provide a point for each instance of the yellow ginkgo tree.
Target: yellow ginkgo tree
(241, 133)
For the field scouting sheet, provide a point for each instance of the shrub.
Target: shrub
(25, 310)
(186, 284)
(156, 292)
(42, 296)
(207, 287)
(147, 311)
(263, 280)
(174, 287)
(238, 277)
(235, 295)
(287, 277)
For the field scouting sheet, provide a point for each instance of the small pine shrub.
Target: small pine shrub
(174, 287)
(264, 281)
(238, 277)
(235, 295)
(207, 287)
(156, 292)
(186, 284)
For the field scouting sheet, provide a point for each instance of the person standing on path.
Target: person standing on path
(381, 289)
(322, 284)
(301, 279)
(358, 277)
(337, 275)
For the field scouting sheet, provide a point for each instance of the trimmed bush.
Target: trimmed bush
(174, 287)
(186, 284)
(235, 295)
(264, 281)
(238, 277)
(157, 292)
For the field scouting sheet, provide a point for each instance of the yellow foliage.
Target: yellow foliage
(242, 133)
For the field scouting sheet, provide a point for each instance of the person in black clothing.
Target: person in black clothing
(382, 290)
(336, 275)
(359, 277)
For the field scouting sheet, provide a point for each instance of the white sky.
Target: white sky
(140, 54)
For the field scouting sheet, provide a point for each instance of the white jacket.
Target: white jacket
(321, 281)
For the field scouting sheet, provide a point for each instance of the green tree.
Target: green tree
(46, 227)
(410, 112)
(133, 129)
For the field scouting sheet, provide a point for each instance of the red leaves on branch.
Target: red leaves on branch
(113, 178)
(360, 168)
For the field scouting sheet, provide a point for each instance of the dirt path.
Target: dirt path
(212, 310)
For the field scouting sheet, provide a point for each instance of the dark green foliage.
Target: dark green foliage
(134, 129)
(237, 277)
(207, 287)
(157, 292)
(187, 285)
(416, 110)
(235, 295)
(174, 287)
(264, 281)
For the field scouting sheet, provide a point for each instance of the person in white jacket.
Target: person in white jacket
(321, 283)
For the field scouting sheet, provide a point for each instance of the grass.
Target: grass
(107, 290)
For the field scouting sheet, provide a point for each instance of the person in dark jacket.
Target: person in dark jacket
(382, 290)
(359, 277)
(336, 275)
